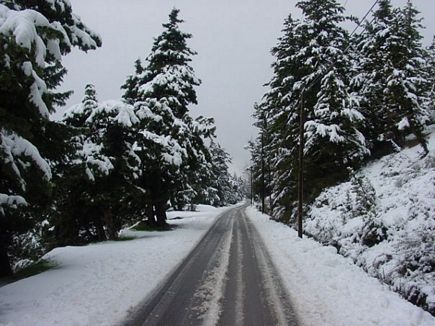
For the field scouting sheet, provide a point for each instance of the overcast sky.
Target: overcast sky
(233, 39)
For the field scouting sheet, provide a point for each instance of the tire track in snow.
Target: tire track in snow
(207, 299)
(277, 298)
(228, 279)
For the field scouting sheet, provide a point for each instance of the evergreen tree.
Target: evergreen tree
(277, 119)
(332, 122)
(407, 86)
(161, 94)
(222, 180)
(391, 79)
(30, 70)
(131, 91)
(430, 75)
(194, 184)
(312, 67)
(101, 172)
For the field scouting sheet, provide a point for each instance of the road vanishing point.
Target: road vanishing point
(228, 279)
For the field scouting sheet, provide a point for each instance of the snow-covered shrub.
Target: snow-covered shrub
(383, 219)
(27, 248)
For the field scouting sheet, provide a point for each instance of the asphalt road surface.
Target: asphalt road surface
(228, 279)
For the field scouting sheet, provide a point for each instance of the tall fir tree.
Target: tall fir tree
(277, 120)
(313, 67)
(333, 139)
(162, 91)
(391, 79)
(430, 75)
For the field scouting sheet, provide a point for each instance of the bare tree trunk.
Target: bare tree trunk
(5, 265)
(111, 232)
(101, 235)
(161, 213)
(149, 212)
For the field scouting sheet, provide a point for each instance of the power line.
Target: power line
(317, 79)
(364, 18)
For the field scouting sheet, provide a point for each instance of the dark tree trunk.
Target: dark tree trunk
(111, 232)
(101, 235)
(67, 231)
(160, 197)
(5, 265)
(149, 212)
(418, 133)
(160, 207)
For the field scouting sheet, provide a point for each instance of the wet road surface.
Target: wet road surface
(228, 279)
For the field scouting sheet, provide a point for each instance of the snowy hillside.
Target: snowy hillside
(327, 289)
(384, 220)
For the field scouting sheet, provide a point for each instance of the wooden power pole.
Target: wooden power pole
(301, 165)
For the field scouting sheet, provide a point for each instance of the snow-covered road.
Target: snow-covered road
(227, 280)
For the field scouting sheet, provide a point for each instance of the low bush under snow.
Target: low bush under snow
(384, 219)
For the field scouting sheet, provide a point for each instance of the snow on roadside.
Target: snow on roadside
(100, 284)
(328, 289)
(383, 219)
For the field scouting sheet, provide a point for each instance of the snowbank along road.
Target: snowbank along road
(228, 279)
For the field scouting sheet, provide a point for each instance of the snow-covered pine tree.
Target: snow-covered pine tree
(165, 89)
(195, 182)
(222, 180)
(98, 183)
(312, 59)
(262, 186)
(277, 117)
(390, 82)
(130, 87)
(33, 36)
(407, 86)
(430, 75)
(332, 122)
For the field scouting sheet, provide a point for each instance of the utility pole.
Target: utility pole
(263, 182)
(252, 187)
(301, 165)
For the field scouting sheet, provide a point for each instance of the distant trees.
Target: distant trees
(34, 36)
(359, 96)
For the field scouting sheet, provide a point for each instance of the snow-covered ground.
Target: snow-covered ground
(328, 289)
(384, 220)
(99, 284)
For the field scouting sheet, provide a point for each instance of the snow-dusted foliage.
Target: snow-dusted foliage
(332, 119)
(384, 220)
(104, 163)
(95, 120)
(224, 187)
(391, 82)
(430, 75)
(33, 37)
(361, 98)
(170, 143)
(312, 70)
(31, 43)
(27, 248)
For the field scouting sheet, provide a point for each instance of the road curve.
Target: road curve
(228, 279)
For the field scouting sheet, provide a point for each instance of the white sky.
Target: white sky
(233, 39)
